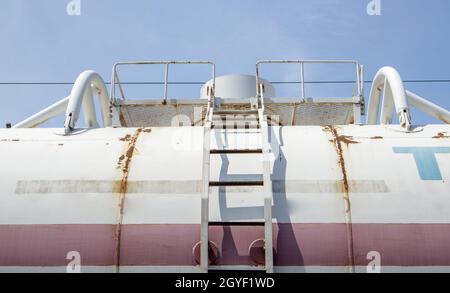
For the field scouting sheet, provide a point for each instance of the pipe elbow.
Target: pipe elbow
(83, 85)
(388, 79)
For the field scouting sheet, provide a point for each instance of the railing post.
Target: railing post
(257, 80)
(113, 84)
(358, 79)
(302, 78)
(166, 82)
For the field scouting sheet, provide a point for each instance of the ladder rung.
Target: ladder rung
(256, 151)
(235, 112)
(234, 126)
(236, 117)
(240, 224)
(235, 183)
(233, 122)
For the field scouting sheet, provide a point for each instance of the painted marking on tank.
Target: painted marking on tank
(425, 158)
(193, 187)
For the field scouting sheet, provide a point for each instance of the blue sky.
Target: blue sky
(41, 43)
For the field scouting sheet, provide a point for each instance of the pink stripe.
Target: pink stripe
(158, 244)
(296, 245)
(403, 245)
(48, 245)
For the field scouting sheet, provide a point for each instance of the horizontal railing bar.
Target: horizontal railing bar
(162, 62)
(308, 61)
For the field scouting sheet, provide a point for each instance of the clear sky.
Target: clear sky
(41, 43)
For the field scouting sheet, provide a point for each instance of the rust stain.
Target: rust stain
(348, 140)
(120, 163)
(441, 135)
(122, 119)
(126, 138)
(337, 143)
(377, 137)
(124, 164)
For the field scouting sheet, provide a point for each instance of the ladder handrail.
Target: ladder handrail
(116, 81)
(204, 229)
(267, 189)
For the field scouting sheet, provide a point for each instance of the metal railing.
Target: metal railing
(359, 72)
(116, 81)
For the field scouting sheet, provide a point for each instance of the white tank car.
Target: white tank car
(239, 179)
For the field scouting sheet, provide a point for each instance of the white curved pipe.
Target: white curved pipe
(82, 94)
(388, 81)
(428, 107)
(44, 115)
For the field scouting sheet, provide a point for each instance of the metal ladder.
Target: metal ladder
(255, 114)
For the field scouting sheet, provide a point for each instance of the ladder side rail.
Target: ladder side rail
(204, 233)
(267, 188)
